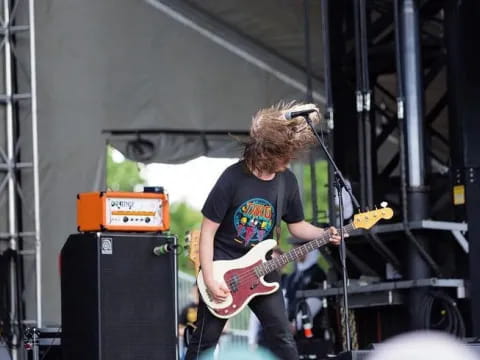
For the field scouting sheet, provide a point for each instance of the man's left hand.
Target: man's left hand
(335, 235)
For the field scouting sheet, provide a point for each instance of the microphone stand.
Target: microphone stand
(339, 184)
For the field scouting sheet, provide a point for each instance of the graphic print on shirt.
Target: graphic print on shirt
(253, 220)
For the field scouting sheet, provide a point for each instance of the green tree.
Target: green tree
(122, 175)
(125, 175)
(321, 172)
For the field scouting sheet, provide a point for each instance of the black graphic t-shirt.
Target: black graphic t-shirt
(245, 208)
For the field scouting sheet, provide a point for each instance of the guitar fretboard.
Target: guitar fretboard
(297, 252)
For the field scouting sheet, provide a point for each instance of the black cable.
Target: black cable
(329, 109)
(4, 302)
(450, 320)
(309, 99)
(400, 114)
(201, 331)
(327, 65)
(359, 100)
(19, 303)
(366, 92)
(364, 49)
(187, 335)
(308, 58)
(8, 328)
(358, 52)
(398, 57)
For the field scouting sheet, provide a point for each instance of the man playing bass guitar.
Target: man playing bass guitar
(240, 212)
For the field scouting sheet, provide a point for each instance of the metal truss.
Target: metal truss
(434, 86)
(381, 111)
(20, 232)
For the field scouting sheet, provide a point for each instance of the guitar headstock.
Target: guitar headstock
(367, 219)
(193, 241)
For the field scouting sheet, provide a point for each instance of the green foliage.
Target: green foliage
(124, 175)
(321, 171)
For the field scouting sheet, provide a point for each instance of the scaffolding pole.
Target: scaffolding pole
(16, 157)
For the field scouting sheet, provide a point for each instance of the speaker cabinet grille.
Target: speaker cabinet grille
(118, 298)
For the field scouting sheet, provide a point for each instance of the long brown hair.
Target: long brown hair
(274, 141)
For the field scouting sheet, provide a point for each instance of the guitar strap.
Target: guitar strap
(279, 212)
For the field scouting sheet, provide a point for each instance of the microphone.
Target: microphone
(306, 320)
(289, 115)
(164, 249)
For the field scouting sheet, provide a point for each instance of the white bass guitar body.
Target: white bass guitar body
(242, 278)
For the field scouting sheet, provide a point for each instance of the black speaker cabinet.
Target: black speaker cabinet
(118, 298)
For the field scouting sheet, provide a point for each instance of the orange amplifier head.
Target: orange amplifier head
(122, 211)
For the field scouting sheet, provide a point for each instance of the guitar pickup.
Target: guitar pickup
(234, 282)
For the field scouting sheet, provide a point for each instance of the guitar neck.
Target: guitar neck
(297, 252)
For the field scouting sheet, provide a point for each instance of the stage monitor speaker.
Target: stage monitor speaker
(118, 298)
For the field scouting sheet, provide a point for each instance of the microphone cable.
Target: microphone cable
(201, 331)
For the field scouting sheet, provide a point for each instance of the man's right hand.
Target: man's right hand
(217, 290)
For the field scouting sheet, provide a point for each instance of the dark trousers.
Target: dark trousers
(270, 310)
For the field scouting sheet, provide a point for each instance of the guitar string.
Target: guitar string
(250, 274)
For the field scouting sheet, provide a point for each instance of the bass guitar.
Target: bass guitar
(245, 276)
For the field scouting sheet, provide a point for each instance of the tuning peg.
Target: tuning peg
(383, 204)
